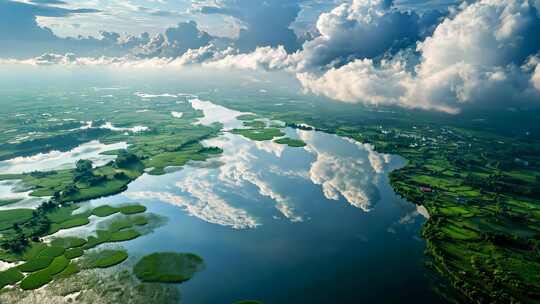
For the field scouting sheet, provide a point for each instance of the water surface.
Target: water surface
(318, 224)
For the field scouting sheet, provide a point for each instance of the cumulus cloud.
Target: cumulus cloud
(472, 57)
(266, 58)
(262, 22)
(203, 54)
(361, 81)
(368, 51)
(175, 41)
(363, 29)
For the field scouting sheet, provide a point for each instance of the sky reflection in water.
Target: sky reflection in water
(318, 224)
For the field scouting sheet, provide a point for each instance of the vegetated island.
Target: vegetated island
(64, 256)
(168, 267)
(293, 143)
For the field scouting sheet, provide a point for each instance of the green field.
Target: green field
(8, 218)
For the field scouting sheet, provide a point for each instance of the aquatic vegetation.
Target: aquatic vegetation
(132, 209)
(72, 223)
(104, 258)
(74, 253)
(10, 277)
(45, 262)
(58, 265)
(259, 134)
(248, 302)
(35, 280)
(168, 267)
(104, 211)
(88, 287)
(71, 269)
(168, 140)
(102, 236)
(51, 252)
(171, 142)
(40, 278)
(124, 235)
(35, 264)
(481, 195)
(294, 143)
(33, 250)
(68, 242)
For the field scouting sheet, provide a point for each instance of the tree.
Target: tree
(70, 190)
(83, 170)
(126, 159)
(83, 165)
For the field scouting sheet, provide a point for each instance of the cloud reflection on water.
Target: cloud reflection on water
(252, 172)
(345, 168)
(56, 160)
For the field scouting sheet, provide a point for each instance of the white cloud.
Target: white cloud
(359, 29)
(265, 58)
(240, 168)
(534, 66)
(472, 57)
(536, 77)
(205, 53)
(478, 55)
(361, 81)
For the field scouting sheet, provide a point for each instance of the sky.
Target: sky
(439, 55)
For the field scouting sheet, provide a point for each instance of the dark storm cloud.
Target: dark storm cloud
(266, 22)
(175, 41)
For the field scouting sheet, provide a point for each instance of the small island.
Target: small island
(168, 267)
(293, 143)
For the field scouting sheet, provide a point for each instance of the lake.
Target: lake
(317, 224)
